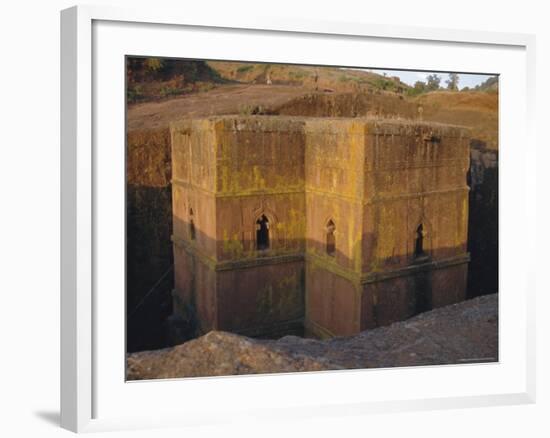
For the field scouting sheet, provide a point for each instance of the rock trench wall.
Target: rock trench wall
(483, 220)
(148, 229)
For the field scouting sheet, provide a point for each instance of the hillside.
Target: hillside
(226, 99)
(462, 333)
(311, 77)
(490, 85)
(162, 90)
(153, 79)
(474, 109)
(217, 88)
(150, 79)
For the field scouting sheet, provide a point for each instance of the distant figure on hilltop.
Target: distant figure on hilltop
(420, 111)
(316, 80)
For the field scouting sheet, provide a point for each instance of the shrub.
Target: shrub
(134, 93)
(244, 68)
(154, 64)
(170, 91)
(384, 84)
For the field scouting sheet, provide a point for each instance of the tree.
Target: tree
(420, 86)
(452, 82)
(154, 64)
(491, 84)
(433, 82)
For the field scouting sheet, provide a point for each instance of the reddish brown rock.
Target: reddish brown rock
(342, 224)
(461, 333)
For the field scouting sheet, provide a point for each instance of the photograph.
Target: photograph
(227, 219)
(286, 218)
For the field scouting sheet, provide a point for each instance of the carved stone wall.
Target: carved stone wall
(342, 202)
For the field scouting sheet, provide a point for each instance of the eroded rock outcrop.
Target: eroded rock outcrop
(461, 333)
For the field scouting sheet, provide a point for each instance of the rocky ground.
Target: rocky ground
(462, 333)
(227, 99)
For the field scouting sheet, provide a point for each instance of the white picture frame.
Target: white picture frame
(86, 377)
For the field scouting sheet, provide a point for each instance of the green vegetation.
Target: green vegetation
(452, 82)
(432, 82)
(248, 110)
(244, 68)
(134, 93)
(170, 91)
(419, 88)
(385, 84)
(157, 78)
(297, 74)
(490, 85)
(153, 64)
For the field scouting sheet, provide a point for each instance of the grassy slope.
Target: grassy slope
(178, 77)
(477, 110)
(332, 78)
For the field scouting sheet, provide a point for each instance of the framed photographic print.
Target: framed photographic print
(253, 210)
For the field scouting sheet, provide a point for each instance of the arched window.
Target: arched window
(331, 239)
(262, 233)
(192, 231)
(419, 241)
